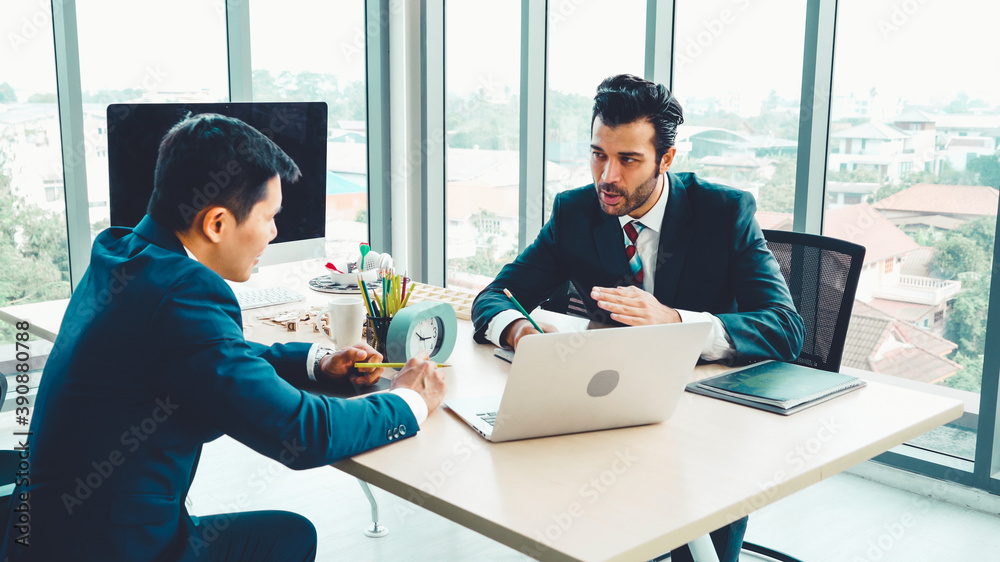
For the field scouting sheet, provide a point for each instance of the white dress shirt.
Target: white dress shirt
(410, 396)
(717, 345)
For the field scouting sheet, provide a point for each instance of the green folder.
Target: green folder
(782, 388)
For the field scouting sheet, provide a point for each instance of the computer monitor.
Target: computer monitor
(299, 128)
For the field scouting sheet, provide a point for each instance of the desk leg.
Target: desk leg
(702, 549)
(375, 530)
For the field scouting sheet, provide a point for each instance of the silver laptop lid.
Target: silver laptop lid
(599, 379)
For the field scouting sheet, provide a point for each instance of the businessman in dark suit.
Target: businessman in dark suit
(150, 363)
(642, 245)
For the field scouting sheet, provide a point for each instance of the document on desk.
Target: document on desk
(782, 388)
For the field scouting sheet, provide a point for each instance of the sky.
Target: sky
(918, 49)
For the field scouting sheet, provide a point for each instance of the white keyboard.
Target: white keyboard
(267, 296)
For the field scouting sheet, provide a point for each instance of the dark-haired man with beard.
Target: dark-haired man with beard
(643, 245)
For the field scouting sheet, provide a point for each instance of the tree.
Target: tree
(778, 194)
(7, 94)
(956, 254)
(34, 262)
(987, 169)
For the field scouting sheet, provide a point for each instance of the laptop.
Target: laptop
(570, 382)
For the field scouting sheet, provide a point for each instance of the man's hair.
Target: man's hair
(626, 98)
(210, 160)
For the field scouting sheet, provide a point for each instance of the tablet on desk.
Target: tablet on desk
(505, 353)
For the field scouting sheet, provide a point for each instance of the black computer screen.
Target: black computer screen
(299, 128)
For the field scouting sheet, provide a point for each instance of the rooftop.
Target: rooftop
(871, 130)
(863, 225)
(936, 199)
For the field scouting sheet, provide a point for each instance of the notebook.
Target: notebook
(782, 388)
(569, 382)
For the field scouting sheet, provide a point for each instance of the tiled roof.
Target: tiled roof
(944, 199)
(913, 116)
(928, 341)
(863, 225)
(906, 311)
(915, 364)
(871, 130)
(774, 220)
(864, 336)
(919, 361)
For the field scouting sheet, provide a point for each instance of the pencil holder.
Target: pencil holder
(376, 329)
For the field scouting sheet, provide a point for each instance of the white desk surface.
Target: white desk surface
(624, 494)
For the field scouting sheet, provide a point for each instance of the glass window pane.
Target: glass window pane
(33, 250)
(586, 45)
(913, 175)
(298, 58)
(738, 75)
(144, 52)
(482, 112)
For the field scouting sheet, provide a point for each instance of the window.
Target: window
(159, 52)
(32, 211)
(482, 112)
(581, 55)
(914, 121)
(321, 58)
(741, 130)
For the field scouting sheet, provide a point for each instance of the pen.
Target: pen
(389, 365)
(524, 312)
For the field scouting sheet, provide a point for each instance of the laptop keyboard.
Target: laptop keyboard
(488, 417)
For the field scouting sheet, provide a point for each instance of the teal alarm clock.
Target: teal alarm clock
(427, 326)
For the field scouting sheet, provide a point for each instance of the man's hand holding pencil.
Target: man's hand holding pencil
(520, 328)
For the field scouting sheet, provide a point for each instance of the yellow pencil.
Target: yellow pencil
(389, 365)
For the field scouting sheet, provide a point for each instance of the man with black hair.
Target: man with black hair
(150, 364)
(643, 245)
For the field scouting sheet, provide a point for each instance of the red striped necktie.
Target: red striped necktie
(632, 230)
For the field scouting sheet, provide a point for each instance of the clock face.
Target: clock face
(426, 336)
(424, 327)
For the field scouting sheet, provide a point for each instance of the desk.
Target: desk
(632, 493)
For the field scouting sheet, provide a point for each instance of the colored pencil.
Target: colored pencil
(524, 312)
(389, 365)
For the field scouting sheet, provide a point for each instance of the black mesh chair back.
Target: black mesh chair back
(822, 275)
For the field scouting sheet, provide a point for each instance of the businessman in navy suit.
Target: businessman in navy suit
(150, 363)
(642, 245)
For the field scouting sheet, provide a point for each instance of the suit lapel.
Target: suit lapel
(675, 239)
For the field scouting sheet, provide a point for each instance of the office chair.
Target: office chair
(8, 466)
(822, 275)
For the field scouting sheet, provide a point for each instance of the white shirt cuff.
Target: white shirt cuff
(717, 345)
(499, 323)
(414, 401)
(311, 360)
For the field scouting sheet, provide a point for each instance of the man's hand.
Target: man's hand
(340, 365)
(633, 307)
(520, 328)
(422, 375)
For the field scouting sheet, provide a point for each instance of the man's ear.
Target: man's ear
(668, 159)
(213, 223)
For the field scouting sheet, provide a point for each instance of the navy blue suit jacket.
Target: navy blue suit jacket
(712, 257)
(149, 364)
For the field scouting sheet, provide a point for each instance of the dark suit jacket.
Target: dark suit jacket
(712, 258)
(149, 364)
